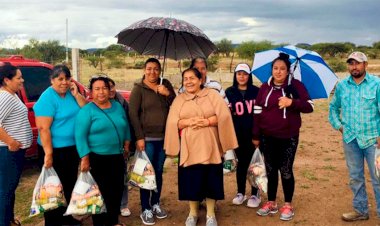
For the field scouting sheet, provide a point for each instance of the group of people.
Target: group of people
(199, 125)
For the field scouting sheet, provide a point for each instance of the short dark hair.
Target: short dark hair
(152, 60)
(8, 71)
(285, 58)
(196, 72)
(198, 59)
(58, 69)
(103, 78)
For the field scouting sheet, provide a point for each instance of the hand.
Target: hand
(74, 89)
(200, 122)
(48, 160)
(161, 89)
(256, 143)
(85, 164)
(341, 130)
(126, 149)
(284, 102)
(14, 145)
(378, 142)
(140, 145)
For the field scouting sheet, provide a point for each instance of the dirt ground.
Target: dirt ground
(321, 194)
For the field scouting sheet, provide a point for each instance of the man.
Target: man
(355, 112)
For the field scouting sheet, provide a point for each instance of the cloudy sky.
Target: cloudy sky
(94, 25)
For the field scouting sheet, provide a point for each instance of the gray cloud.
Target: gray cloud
(95, 24)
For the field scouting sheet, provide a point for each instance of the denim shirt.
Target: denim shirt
(356, 108)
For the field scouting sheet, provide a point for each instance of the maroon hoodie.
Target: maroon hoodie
(269, 120)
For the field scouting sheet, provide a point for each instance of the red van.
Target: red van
(36, 80)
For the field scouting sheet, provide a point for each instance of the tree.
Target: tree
(50, 51)
(333, 49)
(376, 45)
(247, 50)
(224, 47)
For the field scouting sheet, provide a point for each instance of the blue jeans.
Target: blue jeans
(11, 165)
(155, 151)
(355, 162)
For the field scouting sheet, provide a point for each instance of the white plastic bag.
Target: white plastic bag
(48, 192)
(86, 198)
(377, 162)
(257, 175)
(141, 173)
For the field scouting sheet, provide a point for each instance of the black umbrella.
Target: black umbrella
(167, 37)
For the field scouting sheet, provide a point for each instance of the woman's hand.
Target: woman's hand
(126, 148)
(140, 145)
(14, 145)
(200, 123)
(48, 160)
(161, 89)
(256, 143)
(284, 102)
(85, 164)
(73, 89)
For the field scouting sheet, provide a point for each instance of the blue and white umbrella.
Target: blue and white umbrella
(306, 66)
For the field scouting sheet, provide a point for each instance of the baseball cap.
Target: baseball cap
(358, 56)
(243, 67)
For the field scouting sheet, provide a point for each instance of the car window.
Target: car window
(36, 80)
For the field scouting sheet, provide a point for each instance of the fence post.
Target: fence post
(75, 63)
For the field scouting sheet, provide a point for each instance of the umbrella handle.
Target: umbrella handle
(161, 79)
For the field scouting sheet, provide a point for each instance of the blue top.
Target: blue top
(63, 110)
(356, 108)
(96, 133)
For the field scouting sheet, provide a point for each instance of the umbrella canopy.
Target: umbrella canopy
(167, 37)
(306, 66)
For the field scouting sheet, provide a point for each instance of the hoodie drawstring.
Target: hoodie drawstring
(266, 99)
(284, 111)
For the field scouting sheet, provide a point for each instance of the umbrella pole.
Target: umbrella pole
(166, 47)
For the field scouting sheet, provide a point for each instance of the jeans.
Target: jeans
(355, 162)
(11, 165)
(156, 155)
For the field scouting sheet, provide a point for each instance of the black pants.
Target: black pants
(65, 163)
(244, 155)
(279, 156)
(108, 173)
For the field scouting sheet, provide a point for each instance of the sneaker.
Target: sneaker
(191, 220)
(125, 212)
(159, 212)
(239, 199)
(253, 201)
(287, 212)
(268, 208)
(147, 217)
(354, 216)
(211, 221)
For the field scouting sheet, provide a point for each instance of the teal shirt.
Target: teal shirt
(96, 133)
(356, 108)
(63, 110)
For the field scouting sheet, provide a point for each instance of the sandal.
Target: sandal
(15, 222)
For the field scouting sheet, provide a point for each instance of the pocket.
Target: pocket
(368, 100)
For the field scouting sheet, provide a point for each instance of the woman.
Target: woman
(102, 137)
(114, 95)
(241, 96)
(55, 112)
(206, 133)
(15, 138)
(148, 109)
(277, 124)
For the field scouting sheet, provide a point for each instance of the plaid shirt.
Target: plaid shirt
(356, 108)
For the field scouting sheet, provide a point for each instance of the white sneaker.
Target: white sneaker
(125, 212)
(239, 199)
(253, 201)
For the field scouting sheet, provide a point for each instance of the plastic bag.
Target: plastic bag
(377, 162)
(86, 198)
(257, 175)
(230, 162)
(48, 192)
(141, 173)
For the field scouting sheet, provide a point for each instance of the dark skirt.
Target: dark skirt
(197, 182)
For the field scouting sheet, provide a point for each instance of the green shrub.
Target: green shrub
(139, 65)
(115, 63)
(337, 65)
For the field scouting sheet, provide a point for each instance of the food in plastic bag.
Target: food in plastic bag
(377, 161)
(257, 175)
(141, 173)
(230, 163)
(86, 198)
(48, 192)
